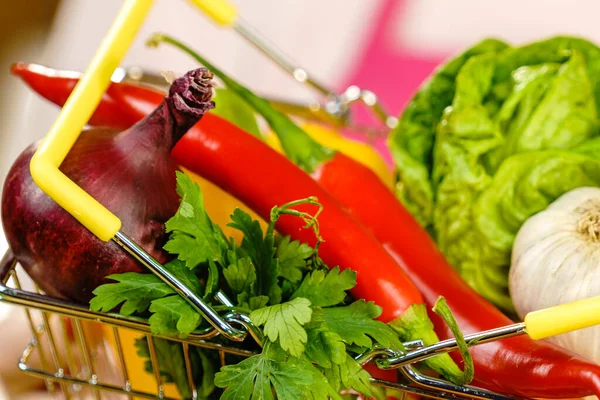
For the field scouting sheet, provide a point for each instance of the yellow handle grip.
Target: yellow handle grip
(73, 117)
(221, 11)
(562, 319)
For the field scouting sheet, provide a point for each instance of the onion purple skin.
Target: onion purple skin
(130, 173)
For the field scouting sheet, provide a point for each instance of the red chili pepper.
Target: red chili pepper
(260, 177)
(218, 149)
(519, 365)
(122, 105)
(511, 365)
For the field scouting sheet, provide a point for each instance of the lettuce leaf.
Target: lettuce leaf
(521, 129)
(552, 50)
(411, 143)
(551, 106)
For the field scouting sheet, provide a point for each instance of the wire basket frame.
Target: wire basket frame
(69, 362)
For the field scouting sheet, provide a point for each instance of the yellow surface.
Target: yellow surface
(221, 11)
(140, 379)
(329, 137)
(73, 117)
(564, 318)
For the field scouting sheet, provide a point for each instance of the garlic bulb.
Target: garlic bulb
(556, 260)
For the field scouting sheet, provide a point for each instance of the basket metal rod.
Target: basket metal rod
(67, 379)
(7, 266)
(155, 368)
(54, 353)
(87, 358)
(192, 298)
(259, 41)
(71, 361)
(188, 369)
(448, 345)
(336, 105)
(445, 387)
(47, 303)
(122, 363)
(7, 260)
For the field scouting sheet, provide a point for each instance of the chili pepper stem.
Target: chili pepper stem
(298, 145)
(309, 155)
(414, 324)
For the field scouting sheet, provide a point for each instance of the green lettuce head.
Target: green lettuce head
(516, 131)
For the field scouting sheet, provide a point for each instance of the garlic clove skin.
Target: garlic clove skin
(556, 260)
(570, 201)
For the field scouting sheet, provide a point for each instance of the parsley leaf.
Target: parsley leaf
(139, 291)
(184, 274)
(262, 253)
(135, 290)
(173, 316)
(355, 376)
(194, 237)
(326, 288)
(300, 379)
(212, 282)
(292, 378)
(245, 379)
(355, 321)
(241, 276)
(256, 302)
(284, 322)
(325, 348)
(292, 257)
(349, 375)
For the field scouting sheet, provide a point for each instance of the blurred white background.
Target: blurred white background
(332, 39)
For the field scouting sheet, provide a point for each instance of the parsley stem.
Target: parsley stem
(310, 219)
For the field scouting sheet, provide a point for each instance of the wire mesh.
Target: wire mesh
(81, 354)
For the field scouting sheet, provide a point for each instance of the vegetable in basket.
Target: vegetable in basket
(340, 176)
(519, 365)
(312, 327)
(377, 208)
(130, 172)
(479, 115)
(247, 168)
(555, 260)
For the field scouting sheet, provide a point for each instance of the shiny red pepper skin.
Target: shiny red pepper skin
(262, 178)
(519, 365)
(121, 106)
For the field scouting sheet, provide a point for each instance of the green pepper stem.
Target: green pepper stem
(441, 308)
(302, 149)
(414, 324)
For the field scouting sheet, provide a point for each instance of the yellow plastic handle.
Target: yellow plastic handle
(221, 11)
(562, 319)
(73, 117)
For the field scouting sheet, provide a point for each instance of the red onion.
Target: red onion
(129, 172)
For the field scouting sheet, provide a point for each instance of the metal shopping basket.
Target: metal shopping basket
(63, 333)
(70, 368)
